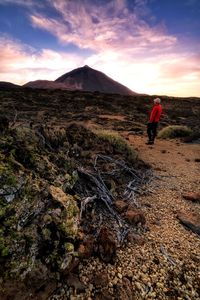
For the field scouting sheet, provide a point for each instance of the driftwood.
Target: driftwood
(84, 203)
(92, 189)
(190, 220)
(138, 183)
(102, 193)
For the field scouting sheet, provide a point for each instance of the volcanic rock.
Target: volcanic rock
(193, 196)
(120, 205)
(190, 220)
(100, 280)
(106, 245)
(73, 281)
(134, 217)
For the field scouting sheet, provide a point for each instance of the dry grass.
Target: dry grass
(118, 143)
(175, 131)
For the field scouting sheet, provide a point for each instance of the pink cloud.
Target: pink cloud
(115, 26)
(163, 74)
(21, 63)
(144, 58)
(183, 66)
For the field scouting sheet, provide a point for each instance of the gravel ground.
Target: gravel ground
(167, 265)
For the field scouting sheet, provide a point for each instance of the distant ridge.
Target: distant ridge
(47, 84)
(88, 79)
(8, 85)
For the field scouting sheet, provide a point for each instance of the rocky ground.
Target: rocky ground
(138, 238)
(164, 263)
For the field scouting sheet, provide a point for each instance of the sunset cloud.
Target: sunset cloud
(87, 25)
(120, 38)
(21, 63)
(165, 75)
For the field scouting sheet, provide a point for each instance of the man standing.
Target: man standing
(153, 121)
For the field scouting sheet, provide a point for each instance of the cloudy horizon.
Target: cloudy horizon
(149, 47)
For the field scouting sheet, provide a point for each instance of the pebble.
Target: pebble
(145, 266)
(119, 269)
(110, 284)
(115, 280)
(138, 285)
(119, 275)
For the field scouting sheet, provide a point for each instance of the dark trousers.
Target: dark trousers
(152, 130)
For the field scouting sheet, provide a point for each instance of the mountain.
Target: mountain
(8, 85)
(48, 84)
(85, 79)
(88, 79)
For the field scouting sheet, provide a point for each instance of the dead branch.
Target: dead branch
(164, 252)
(40, 132)
(101, 192)
(84, 203)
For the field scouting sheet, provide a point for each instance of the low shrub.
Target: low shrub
(119, 144)
(175, 131)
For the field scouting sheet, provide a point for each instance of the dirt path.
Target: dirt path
(173, 157)
(177, 171)
(166, 265)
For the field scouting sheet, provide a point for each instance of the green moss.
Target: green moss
(69, 228)
(2, 212)
(11, 180)
(47, 219)
(4, 251)
(70, 180)
(46, 233)
(69, 247)
(7, 177)
(72, 209)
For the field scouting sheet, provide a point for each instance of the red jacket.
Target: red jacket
(155, 113)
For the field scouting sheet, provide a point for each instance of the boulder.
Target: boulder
(134, 217)
(58, 195)
(86, 248)
(100, 280)
(192, 196)
(106, 245)
(73, 281)
(190, 220)
(135, 238)
(120, 205)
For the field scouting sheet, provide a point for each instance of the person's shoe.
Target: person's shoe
(150, 143)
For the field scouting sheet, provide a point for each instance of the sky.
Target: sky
(150, 46)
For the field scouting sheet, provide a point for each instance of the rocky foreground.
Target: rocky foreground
(58, 205)
(83, 217)
(164, 263)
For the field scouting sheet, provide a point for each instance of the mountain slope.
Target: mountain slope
(8, 85)
(47, 84)
(88, 79)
